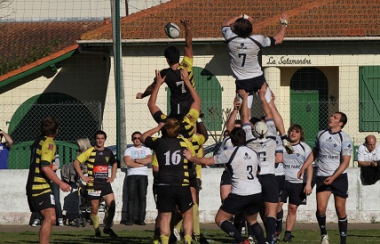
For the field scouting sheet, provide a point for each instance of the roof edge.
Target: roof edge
(38, 62)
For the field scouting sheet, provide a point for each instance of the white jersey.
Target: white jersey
(244, 52)
(225, 145)
(265, 148)
(331, 147)
(294, 162)
(366, 156)
(279, 167)
(136, 153)
(243, 168)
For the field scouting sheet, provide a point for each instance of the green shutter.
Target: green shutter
(369, 99)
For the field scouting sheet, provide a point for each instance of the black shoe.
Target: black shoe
(97, 233)
(109, 232)
(288, 237)
(139, 222)
(203, 240)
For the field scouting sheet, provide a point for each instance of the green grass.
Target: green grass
(214, 236)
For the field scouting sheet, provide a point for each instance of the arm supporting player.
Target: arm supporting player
(196, 160)
(153, 108)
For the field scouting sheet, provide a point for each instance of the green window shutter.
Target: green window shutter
(369, 97)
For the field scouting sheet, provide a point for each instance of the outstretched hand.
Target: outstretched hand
(187, 154)
(159, 79)
(186, 22)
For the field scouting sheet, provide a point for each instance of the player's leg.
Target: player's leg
(94, 202)
(165, 227)
(49, 218)
(255, 227)
(322, 201)
(290, 221)
(340, 189)
(110, 214)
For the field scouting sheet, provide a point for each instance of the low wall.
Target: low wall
(362, 205)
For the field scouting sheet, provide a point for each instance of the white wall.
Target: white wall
(362, 204)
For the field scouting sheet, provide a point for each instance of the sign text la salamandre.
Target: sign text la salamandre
(286, 60)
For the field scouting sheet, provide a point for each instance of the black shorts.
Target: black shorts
(98, 194)
(294, 191)
(339, 187)
(178, 109)
(194, 184)
(280, 183)
(235, 204)
(168, 197)
(226, 178)
(250, 85)
(41, 202)
(269, 188)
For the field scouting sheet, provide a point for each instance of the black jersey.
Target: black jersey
(97, 166)
(173, 166)
(42, 155)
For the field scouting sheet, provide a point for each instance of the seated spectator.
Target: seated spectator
(368, 160)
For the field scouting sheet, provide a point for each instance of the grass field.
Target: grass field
(144, 235)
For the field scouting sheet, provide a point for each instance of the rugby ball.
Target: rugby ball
(260, 129)
(172, 30)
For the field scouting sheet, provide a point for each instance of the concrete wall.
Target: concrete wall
(362, 204)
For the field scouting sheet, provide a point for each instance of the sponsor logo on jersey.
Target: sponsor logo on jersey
(100, 169)
(50, 147)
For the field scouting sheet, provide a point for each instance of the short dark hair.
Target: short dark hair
(172, 55)
(343, 118)
(49, 126)
(254, 120)
(237, 136)
(134, 133)
(100, 132)
(242, 28)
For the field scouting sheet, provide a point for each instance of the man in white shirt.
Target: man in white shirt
(368, 157)
(136, 159)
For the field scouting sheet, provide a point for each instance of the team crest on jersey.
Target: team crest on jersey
(100, 153)
(329, 139)
(50, 147)
(107, 159)
(298, 155)
(246, 156)
(261, 145)
(242, 46)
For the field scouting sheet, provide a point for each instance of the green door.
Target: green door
(304, 110)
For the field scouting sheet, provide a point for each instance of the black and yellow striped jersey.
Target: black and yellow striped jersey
(97, 166)
(43, 153)
(198, 140)
(173, 166)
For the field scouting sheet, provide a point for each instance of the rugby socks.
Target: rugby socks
(270, 228)
(196, 227)
(164, 239)
(321, 223)
(279, 222)
(110, 214)
(188, 239)
(257, 232)
(95, 221)
(231, 230)
(343, 223)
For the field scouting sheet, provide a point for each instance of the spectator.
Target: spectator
(4, 149)
(97, 159)
(136, 159)
(39, 192)
(368, 160)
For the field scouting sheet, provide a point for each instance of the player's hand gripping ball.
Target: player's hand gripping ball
(172, 30)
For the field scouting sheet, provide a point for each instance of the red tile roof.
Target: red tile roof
(308, 18)
(24, 43)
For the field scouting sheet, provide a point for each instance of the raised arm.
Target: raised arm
(151, 132)
(153, 108)
(279, 37)
(230, 124)
(244, 111)
(267, 110)
(147, 92)
(188, 37)
(194, 94)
